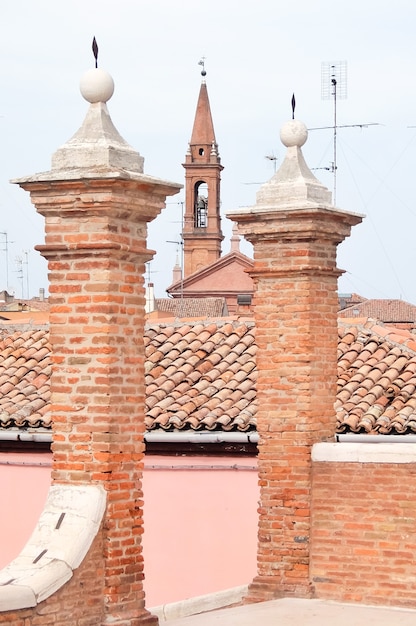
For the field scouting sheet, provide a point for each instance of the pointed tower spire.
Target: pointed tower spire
(203, 130)
(202, 233)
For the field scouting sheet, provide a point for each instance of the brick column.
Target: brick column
(294, 231)
(96, 216)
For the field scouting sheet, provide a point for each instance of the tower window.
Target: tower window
(201, 151)
(201, 216)
(201, 205)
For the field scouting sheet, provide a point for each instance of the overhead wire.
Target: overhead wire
(382, 183)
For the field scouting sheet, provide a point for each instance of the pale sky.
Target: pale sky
(257, 54)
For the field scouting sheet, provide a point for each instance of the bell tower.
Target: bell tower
(202, 233)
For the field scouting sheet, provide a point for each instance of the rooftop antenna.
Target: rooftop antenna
(270, 157)
(26, 262)
(334, 85)
(19, 271)
(6, 250)
(180, 244)
(95, 51)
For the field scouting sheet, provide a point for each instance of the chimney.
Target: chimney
(177, 272)
(235, 240)
(97, 202)
(150, 298)
(41, 294)
(295, 231)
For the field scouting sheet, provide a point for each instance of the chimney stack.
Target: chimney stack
(295, 231)
(97, 202)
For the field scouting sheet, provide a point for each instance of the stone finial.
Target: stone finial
(97, 145)
(293, 133)
(293, 184)
(96, 85)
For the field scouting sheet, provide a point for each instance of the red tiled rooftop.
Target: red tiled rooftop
(192, 307)
(25, 369)
(385, 310)
(202, 376)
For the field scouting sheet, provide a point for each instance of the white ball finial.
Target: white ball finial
(96, 85)
(293, 133)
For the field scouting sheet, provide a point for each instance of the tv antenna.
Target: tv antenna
(273, 158)
(334, 85)
(19, 271)
(26, 262)
(180, 246)
(6, 250)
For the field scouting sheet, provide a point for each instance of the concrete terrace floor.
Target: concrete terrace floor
(299, 612)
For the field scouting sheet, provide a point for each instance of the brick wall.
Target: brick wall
(78, 603)
(96, 263)
(364, 530)
(295, 308)
(296, 350)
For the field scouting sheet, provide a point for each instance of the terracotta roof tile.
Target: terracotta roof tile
(25, 368)
(192, 307)
(388, 311)
(203, 376)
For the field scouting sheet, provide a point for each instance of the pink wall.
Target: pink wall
(200, 519)
(24, 484)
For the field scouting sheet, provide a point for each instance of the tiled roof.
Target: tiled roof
(192, 307)
(376, 379)
(202, 376)
(383, 310)
(25, 369)
(349, 299)
(25, 305)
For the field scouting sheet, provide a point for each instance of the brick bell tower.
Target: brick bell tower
(202, 233)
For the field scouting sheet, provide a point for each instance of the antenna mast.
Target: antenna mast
(6, 250)
(334, 85)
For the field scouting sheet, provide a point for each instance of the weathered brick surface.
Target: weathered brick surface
(295, 309)
(79, 602)
(364, 533)
(96, 249)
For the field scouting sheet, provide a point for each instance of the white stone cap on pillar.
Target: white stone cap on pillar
(97, 144)
(97, 150)
(293, 186)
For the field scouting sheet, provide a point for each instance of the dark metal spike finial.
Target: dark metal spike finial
(293, 106)
(95, 51)
(202, 62)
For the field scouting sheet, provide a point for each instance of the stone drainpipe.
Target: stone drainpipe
(96, 202)
(295, 231)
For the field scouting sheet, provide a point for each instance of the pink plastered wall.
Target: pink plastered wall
(200, 519)
(24, 483)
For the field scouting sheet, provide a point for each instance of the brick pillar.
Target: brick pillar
(96, 216)
(295, 231)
